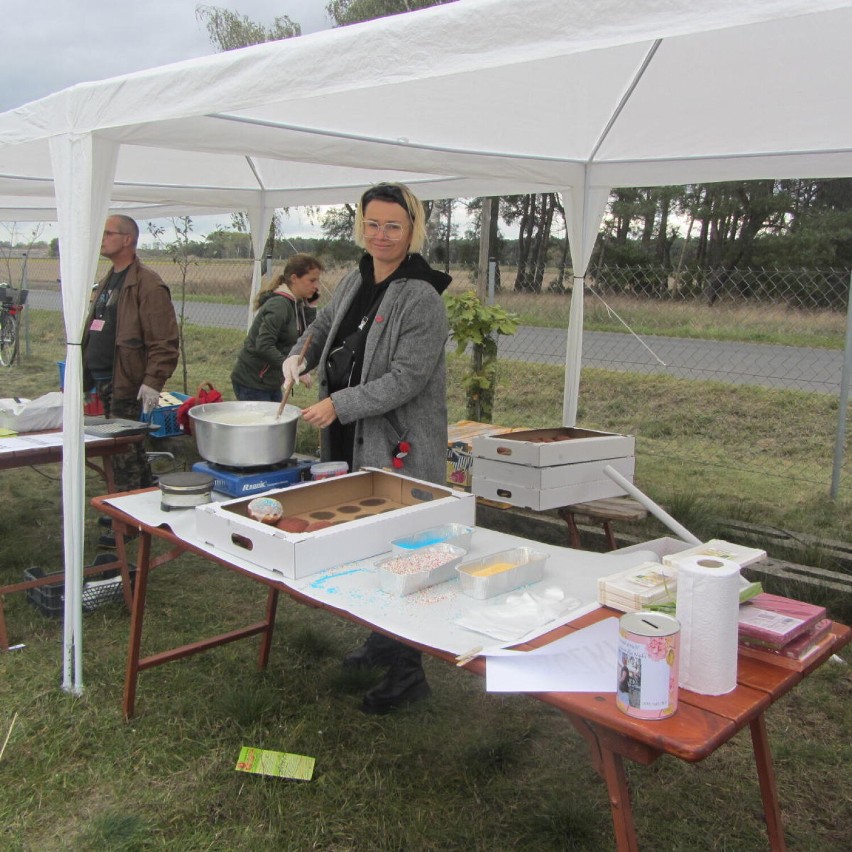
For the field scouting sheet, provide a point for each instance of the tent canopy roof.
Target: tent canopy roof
(480, 97)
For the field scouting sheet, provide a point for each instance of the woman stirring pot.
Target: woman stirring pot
(283, 312)
(378, 347)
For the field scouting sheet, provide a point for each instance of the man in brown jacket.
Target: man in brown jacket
(131, 342)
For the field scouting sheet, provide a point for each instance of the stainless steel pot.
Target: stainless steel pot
(244, 434)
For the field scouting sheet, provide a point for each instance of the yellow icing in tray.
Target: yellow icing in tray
(496, 568)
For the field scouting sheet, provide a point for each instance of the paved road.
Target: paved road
(766, 365)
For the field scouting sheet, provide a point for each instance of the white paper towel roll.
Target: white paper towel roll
(708, 590)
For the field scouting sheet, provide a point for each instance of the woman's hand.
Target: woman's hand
(291, 370)
(321, 414)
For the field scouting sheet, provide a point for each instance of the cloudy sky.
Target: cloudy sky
(48, 45)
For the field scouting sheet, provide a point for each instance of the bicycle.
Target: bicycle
(12, 303)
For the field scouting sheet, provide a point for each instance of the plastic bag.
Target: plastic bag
(32, 415)
(205, 393)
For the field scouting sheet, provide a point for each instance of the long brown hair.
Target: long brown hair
(299, 264)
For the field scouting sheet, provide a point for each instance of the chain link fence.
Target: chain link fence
(763, 348)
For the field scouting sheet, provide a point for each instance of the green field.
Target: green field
(463, 771)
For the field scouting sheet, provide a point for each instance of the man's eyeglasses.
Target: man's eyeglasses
(392, 231)
(114, 234)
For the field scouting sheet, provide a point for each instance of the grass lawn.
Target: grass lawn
(463, 771)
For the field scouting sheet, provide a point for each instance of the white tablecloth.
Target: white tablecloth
(427, 617)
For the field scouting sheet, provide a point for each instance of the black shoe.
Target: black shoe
(104, 521)
(378, 651)
(404, 684)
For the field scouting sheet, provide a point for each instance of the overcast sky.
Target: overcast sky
(48, 45)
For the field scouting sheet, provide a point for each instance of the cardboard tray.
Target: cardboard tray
(367, 510)
(459, 457)
(556, 476)
(543, 447)
(552, 498)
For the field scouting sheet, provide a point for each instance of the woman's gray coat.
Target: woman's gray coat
(402, 394)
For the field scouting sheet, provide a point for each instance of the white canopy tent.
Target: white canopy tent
(476, 98)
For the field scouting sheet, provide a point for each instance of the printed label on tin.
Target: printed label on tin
(647, 675)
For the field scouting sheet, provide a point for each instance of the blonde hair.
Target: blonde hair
(299, 264)
(397, 193)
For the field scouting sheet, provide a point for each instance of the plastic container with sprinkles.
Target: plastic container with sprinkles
(427, 566)
(456, 534)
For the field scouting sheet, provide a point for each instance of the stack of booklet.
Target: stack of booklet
(640, 587)
(783, 631)
(654, 586)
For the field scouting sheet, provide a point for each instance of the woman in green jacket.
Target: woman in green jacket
(283, 313)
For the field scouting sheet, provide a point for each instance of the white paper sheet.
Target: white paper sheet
(36, 441)
(427, 617)
(585, 661)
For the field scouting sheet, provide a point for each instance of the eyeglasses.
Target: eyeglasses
(114, 234)
(392, 231)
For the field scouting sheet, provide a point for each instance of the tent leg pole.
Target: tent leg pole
(657, 511)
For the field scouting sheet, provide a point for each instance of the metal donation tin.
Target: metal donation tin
(648, 656)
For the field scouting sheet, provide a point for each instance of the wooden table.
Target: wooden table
(97, 448)
(700, 726)
(99, 454)
(604, 512)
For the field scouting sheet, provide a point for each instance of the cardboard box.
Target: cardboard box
(662, 546)
(459, 456)
(459, 465)
(539, 501)
(545, 447)
(556, 476)
(543, 469)
(369, 509)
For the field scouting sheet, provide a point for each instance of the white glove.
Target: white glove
(149, 397)
(291, 368)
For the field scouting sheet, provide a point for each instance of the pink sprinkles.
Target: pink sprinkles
(424, 560)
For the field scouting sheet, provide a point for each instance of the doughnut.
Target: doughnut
(266, 510)
(292, 525)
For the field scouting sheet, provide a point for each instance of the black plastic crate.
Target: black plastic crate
(98, 588)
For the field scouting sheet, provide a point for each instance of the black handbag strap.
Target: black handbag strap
(372, 310)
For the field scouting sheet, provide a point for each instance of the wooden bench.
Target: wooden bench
(603, 512)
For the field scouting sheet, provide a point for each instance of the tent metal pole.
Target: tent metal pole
(844, 399)
(657, 511)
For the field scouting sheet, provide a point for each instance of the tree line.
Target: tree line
(719, 227)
